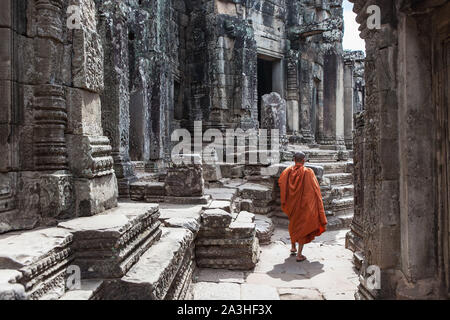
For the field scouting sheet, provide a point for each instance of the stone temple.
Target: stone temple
(94, 90)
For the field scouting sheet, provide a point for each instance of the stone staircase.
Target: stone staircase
(261, 194)
(133, 251)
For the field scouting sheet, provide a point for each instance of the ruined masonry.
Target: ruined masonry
(87, 181)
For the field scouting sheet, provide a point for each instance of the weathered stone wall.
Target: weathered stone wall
(316, 67)
(58, 163)
(353, 91)
(396, 188)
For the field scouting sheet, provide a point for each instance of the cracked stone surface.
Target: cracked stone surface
(327, 274)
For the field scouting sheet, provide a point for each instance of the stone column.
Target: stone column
(141, 71)
(348, 103)
(116, 96)
(306, 94)
(333, 100)
(419, 228)
(292, 95)
(9, 162)
(354, 238)
(378, 185)
(90, 157)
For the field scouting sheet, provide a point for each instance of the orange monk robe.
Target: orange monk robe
(301, 200)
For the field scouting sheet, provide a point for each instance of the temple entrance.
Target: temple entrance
(265, 78)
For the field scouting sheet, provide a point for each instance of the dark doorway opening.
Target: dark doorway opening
(265, 74)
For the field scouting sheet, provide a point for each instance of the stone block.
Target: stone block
(5, 13)
(185, 179)
(147, 191)
(255, 192)
(41, 258)
(22, 201)
(6, 35)
(89, 156)
(242, 229)
(87, 62)
(219, 204)
(84, 112)
(227, 254)
(57, 197)
(7, 146)
(216, 218)
(264, 229)
(246, 217)
(224, 194)
(181, 216)
(94, 196)
(109, 244)
(211, 172)
(6, 115)
(152, 277)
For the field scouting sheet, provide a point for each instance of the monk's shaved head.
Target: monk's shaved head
(299, 157)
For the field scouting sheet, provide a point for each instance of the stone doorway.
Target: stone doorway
(270, 78)
(265, 78)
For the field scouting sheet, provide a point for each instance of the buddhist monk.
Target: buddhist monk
(301, 200)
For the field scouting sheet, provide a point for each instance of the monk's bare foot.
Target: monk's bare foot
(293, 249)
(301, 258)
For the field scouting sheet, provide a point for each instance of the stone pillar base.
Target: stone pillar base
(96, 195)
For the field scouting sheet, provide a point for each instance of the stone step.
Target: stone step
(181, 216)
(342, 191)
(321, 155)
(335, 167)
(342, 206)
(148, 191)
(264, 228)
(340, 222)
(255, 206)
(327, 155)
(33, 264)
(164, 271)
(256, 197)
(339, 178)
(336, 193)
(255, 191)
(107, 245)
(232, 254)
(226, 194)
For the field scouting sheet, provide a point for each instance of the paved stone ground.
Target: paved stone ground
(327, 273)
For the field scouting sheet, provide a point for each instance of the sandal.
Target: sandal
(301, 258)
